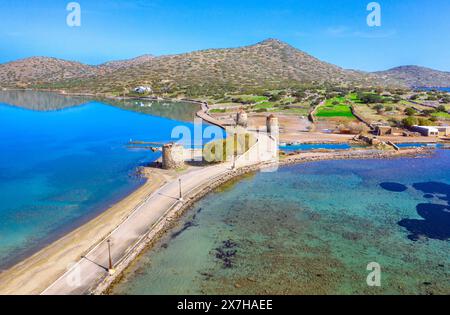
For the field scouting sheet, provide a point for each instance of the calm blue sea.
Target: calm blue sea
(60, 168)
(311, 228)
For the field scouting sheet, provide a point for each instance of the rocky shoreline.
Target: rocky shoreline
(169, 220)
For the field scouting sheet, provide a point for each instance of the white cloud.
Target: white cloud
(338, 31)
(344, 31)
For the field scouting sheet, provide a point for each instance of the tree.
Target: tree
(441, 108)
(425, 122)
(379, 108)
(370, 98)
(394, 122)
(410, 111)
(428, 112)
(299, 94)
(275, 97)
(410, 121)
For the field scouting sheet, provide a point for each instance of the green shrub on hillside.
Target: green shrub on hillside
(410, 121)
(370, 98)
(441, 108)
(410, 111)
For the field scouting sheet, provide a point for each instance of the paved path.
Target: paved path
(88, 270)
(85, 274)
(203, 114)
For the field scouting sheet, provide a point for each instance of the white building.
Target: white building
(444, 130)
(427, 131)
(143, 89)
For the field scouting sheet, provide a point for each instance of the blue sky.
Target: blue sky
(412, 31)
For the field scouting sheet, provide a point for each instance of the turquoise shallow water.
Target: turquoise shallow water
(311, 229)
(59, 168)
(306, 147)
(345, 146)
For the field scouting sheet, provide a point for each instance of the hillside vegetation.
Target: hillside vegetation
(270, 64)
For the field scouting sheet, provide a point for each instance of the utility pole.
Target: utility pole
(111, 270)
(181, 192)
(234, 145)
(234, 162)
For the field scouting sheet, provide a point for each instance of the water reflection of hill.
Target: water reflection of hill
(47, 101)
(42, 101)
(184, 111)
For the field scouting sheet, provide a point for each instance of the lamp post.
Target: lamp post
(235, 145)
(111, 269)
(181, 192)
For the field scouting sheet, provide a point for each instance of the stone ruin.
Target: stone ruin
(173, 156)
(272, 125)
(242, 118)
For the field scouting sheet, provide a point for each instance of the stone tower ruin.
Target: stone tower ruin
(272, 125)
(242, 118)
(172, 156)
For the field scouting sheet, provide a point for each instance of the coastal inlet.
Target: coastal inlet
(65, 160)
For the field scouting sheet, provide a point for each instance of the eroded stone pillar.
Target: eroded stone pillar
(242, 118)
(272, 125)
(173, 156)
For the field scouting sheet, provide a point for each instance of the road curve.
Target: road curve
(91, 269)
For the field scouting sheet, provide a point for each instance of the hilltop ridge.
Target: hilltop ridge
(269, 63)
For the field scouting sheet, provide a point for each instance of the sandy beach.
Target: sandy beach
(37, 272)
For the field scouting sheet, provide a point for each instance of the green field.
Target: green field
(330, 109)
(249, 98)
(217, 110)
(354, 98)
(441, 115)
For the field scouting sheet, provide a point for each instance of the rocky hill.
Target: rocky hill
(415, 76)
(268, 64)
(121, 64)
(42, 70)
